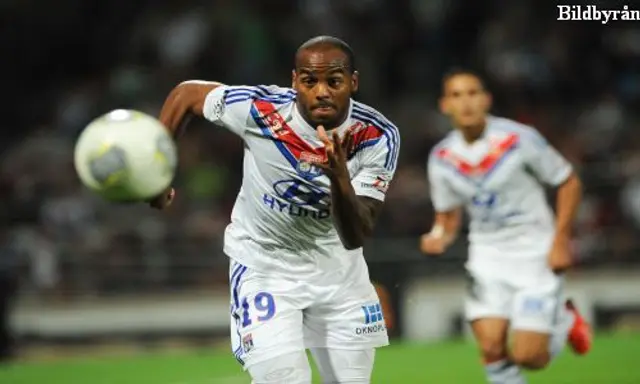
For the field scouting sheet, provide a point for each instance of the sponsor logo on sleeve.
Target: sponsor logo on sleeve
(381, 183)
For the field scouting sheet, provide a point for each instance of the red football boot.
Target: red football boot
(580, 336)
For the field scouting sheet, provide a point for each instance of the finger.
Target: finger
(332, 158)
(322, 135)
(339, 150)
(348, 145)
(164, 200)
(323, 166)
(329, 151)
(330, 148)
(170, 196)
(344, 147)
(336, 137)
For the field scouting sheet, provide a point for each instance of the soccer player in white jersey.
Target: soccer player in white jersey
(317, 165)
(497, 169)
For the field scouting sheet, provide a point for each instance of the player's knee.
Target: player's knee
(530, 358)
(290, 368)
(530, 349)
(493, 350)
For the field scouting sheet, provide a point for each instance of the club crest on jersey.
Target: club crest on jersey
(306, 165)
(247, 343)
(357, 127)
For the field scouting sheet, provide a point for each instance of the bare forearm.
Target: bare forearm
(184, 101)
(354, 219)
(567, 202)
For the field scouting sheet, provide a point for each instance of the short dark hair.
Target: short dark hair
(333, 42)
(457, 71)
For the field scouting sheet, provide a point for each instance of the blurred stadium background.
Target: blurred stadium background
(141, 297)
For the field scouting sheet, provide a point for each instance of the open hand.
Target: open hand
(164, 200)
(336, 151)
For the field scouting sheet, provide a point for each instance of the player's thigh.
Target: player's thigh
(535, 314)
(487, 296)
(492, 335)
(344, 365)
(291, 368)
(347, 313)
(266, 316)
(537, 302)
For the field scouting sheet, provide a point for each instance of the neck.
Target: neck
(473, 133)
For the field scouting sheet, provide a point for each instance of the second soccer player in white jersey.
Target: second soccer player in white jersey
(497, 169)
(317, 165)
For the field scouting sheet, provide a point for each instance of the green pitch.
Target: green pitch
(614, 360)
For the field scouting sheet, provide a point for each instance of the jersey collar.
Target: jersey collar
(483, 136)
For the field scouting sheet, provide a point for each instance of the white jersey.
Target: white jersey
(281, 221)
(500, 179)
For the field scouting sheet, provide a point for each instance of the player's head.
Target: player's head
(324, 78)
(465, 99)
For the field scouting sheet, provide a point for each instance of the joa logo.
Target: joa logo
(373, 320)
(372, 313)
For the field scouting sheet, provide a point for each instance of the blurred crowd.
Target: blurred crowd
(578, 83)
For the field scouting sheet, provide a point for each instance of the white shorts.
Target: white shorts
(523, 290)
(272, 316)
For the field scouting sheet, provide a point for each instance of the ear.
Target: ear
(444, 107)
(489, 101)
(355, 81)
(293, 78)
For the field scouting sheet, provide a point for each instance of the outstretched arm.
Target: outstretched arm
(184, 101)
(226, 106)
(567, 202)
(447, 205)
(551, 168)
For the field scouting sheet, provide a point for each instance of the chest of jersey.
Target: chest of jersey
(486, 168)
(280, 167)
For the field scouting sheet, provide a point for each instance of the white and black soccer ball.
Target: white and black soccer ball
(126, 156)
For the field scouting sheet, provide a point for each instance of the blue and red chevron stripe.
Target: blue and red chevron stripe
(499, 152)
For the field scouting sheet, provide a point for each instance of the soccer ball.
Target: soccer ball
(126, 156)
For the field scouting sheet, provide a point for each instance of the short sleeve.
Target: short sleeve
(547, 164)
(377, 166)
(230, 106)
(443, 197)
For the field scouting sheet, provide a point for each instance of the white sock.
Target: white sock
(504, 372)
(561, 332)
